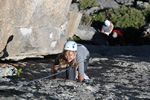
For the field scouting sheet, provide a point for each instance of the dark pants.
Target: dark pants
(71, 73)
(86, 63)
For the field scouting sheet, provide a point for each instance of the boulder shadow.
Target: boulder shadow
(5, 53)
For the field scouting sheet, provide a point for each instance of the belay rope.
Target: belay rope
(49, 76)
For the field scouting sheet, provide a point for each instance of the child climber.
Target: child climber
(74, 59)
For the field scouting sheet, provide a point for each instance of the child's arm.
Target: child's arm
(54, 69)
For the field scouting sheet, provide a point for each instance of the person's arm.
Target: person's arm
(82, 54)
(55, 66)
(81, 71)
(102, 30)
(54, 69)
(111, 27)
(80, 77)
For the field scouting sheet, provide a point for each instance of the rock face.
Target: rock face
(31, 28)
(74, 22)
(85, 33)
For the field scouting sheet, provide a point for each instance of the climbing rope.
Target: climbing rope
(49, 76)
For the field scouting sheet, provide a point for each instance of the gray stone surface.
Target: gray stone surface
(104, 4)
(85, 32)
(116, 73)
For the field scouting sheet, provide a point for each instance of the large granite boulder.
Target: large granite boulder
(33, 28)
(85, 32)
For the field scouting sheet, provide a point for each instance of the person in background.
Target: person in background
(75, 59)
(113, 35)
(107, 27)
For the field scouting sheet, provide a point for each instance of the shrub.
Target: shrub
(146, 13)
(127, 17)
(85, 4)
(99, 17)
(74, 38)
(86, 20)
(123, 17)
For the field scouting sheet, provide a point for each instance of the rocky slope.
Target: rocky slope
(121, 75)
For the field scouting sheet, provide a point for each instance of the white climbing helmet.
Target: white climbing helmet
(107, 22)
(70, 45)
